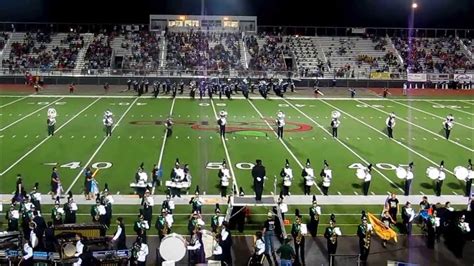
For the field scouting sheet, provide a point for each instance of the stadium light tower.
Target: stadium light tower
(414, 5)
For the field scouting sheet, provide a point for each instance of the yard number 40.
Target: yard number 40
(97, 165)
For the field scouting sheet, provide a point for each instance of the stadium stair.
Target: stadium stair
(88, 37)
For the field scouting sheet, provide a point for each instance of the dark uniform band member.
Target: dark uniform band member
(331, 234)
(169, 127)
(469, 178)
(364, 232)
(314, 214)
(120, 237)
(258, 174)
(299, 240)
(390, 122)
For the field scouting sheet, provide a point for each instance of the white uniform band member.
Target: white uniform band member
(51, 121)
(326, 174)
(334, 125)
(79, 250)
(308, 175)
(409, 178)
(287, 174)
(222, 121)
(448, 125)
(224, 175)
(280, 122)
(108, 122)
(390, 122)
(367, 179)
(441, 177)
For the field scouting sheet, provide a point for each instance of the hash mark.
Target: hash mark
(380, 138)
(25, 136)
(95, 137)
(468, 138)
(37, 136)
(369, 138)
(356, 193)
(339, 193)
(199, 137)
(413, 138)
(61, 136)
(72, 137)
(371, 192)
(118, 137)
(455, 193)
(130, 137)
(424, 138)
(142, 137)
(435, 138)
(324, 138)
(83, 137)
(14, 136)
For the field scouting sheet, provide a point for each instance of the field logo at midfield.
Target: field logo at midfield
(256, 126)
(241, 166)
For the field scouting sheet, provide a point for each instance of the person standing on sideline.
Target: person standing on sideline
(268, 234)
(408, 214)
(286, 252)
(405, 89)
(392, 205)
(258, 174)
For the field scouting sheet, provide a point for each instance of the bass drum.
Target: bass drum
(68, 250)
(208, 241)
(173, 247)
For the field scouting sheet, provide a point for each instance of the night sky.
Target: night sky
(355, 13)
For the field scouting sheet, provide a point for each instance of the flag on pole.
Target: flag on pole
(380, 229)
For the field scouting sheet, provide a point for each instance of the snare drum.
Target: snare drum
(173, 247)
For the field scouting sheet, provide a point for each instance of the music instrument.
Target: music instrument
(360, 173)
(209, 242)
(432, 172)
(165, 229)
(335, 114)
(91, 230)
(368, 235)
(10, 240)
(68, 250)
(111, 256)
(401, 172)
(52, 113)
(173, 247)
(461, 172)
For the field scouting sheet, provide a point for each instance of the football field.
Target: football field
(139, 137)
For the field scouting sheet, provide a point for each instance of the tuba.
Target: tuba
(335, 114)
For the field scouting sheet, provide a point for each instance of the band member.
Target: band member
(196, 203)
(408, 215)
(141, 251)
(35, 197)
(108, 123)
(57, 214)
(367, 179)
(314, 214)
(106, 87)
(259, 175)
(196, 247)
(334, 125)
(469, 178)
(440, 180)
(51, 121)
(390, 122)
(393, 206)
(226, 243)
(268, 234)
(331, 234)
(140, 227)
(308, 175)
(326, 175)
(280, 122)
(352, 91)
(287, 174)
(299, 239)
(216, 220)
(147, 206)
(79, 250)
(258, 255)
(107, 201)
(168, 204)
(55, 184)
(364, 232)
(27, 259)
(461, 230)
(120, 238)
(222, 121)
(409, 178)
(169, 127)
(224, 176)
(448, 125)
(70, 209)
(161, 225)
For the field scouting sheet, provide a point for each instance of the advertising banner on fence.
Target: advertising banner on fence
(416, 77)
(380, 75)
(438, 77)
(463, 78)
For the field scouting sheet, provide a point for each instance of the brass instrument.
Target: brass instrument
(333, 237)
(299, 237)
(97, 215)
(368, 235)
(165, 229)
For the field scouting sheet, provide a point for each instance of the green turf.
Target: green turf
(139, 138)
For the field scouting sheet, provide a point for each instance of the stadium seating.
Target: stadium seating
(99, 53)
(266, 52)
(141, 50)
(433, 55)
(3, 39)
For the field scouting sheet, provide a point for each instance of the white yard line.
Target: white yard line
(343, 144)
(382, 133)
(282, 142)
(48, 137)
(100, 147)
(165, 136)
(231, 167)
(420, 127)
(468, 102)
(434, 115)
(17, 100)
(450, 108)
(30, 114)
(234, 97)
